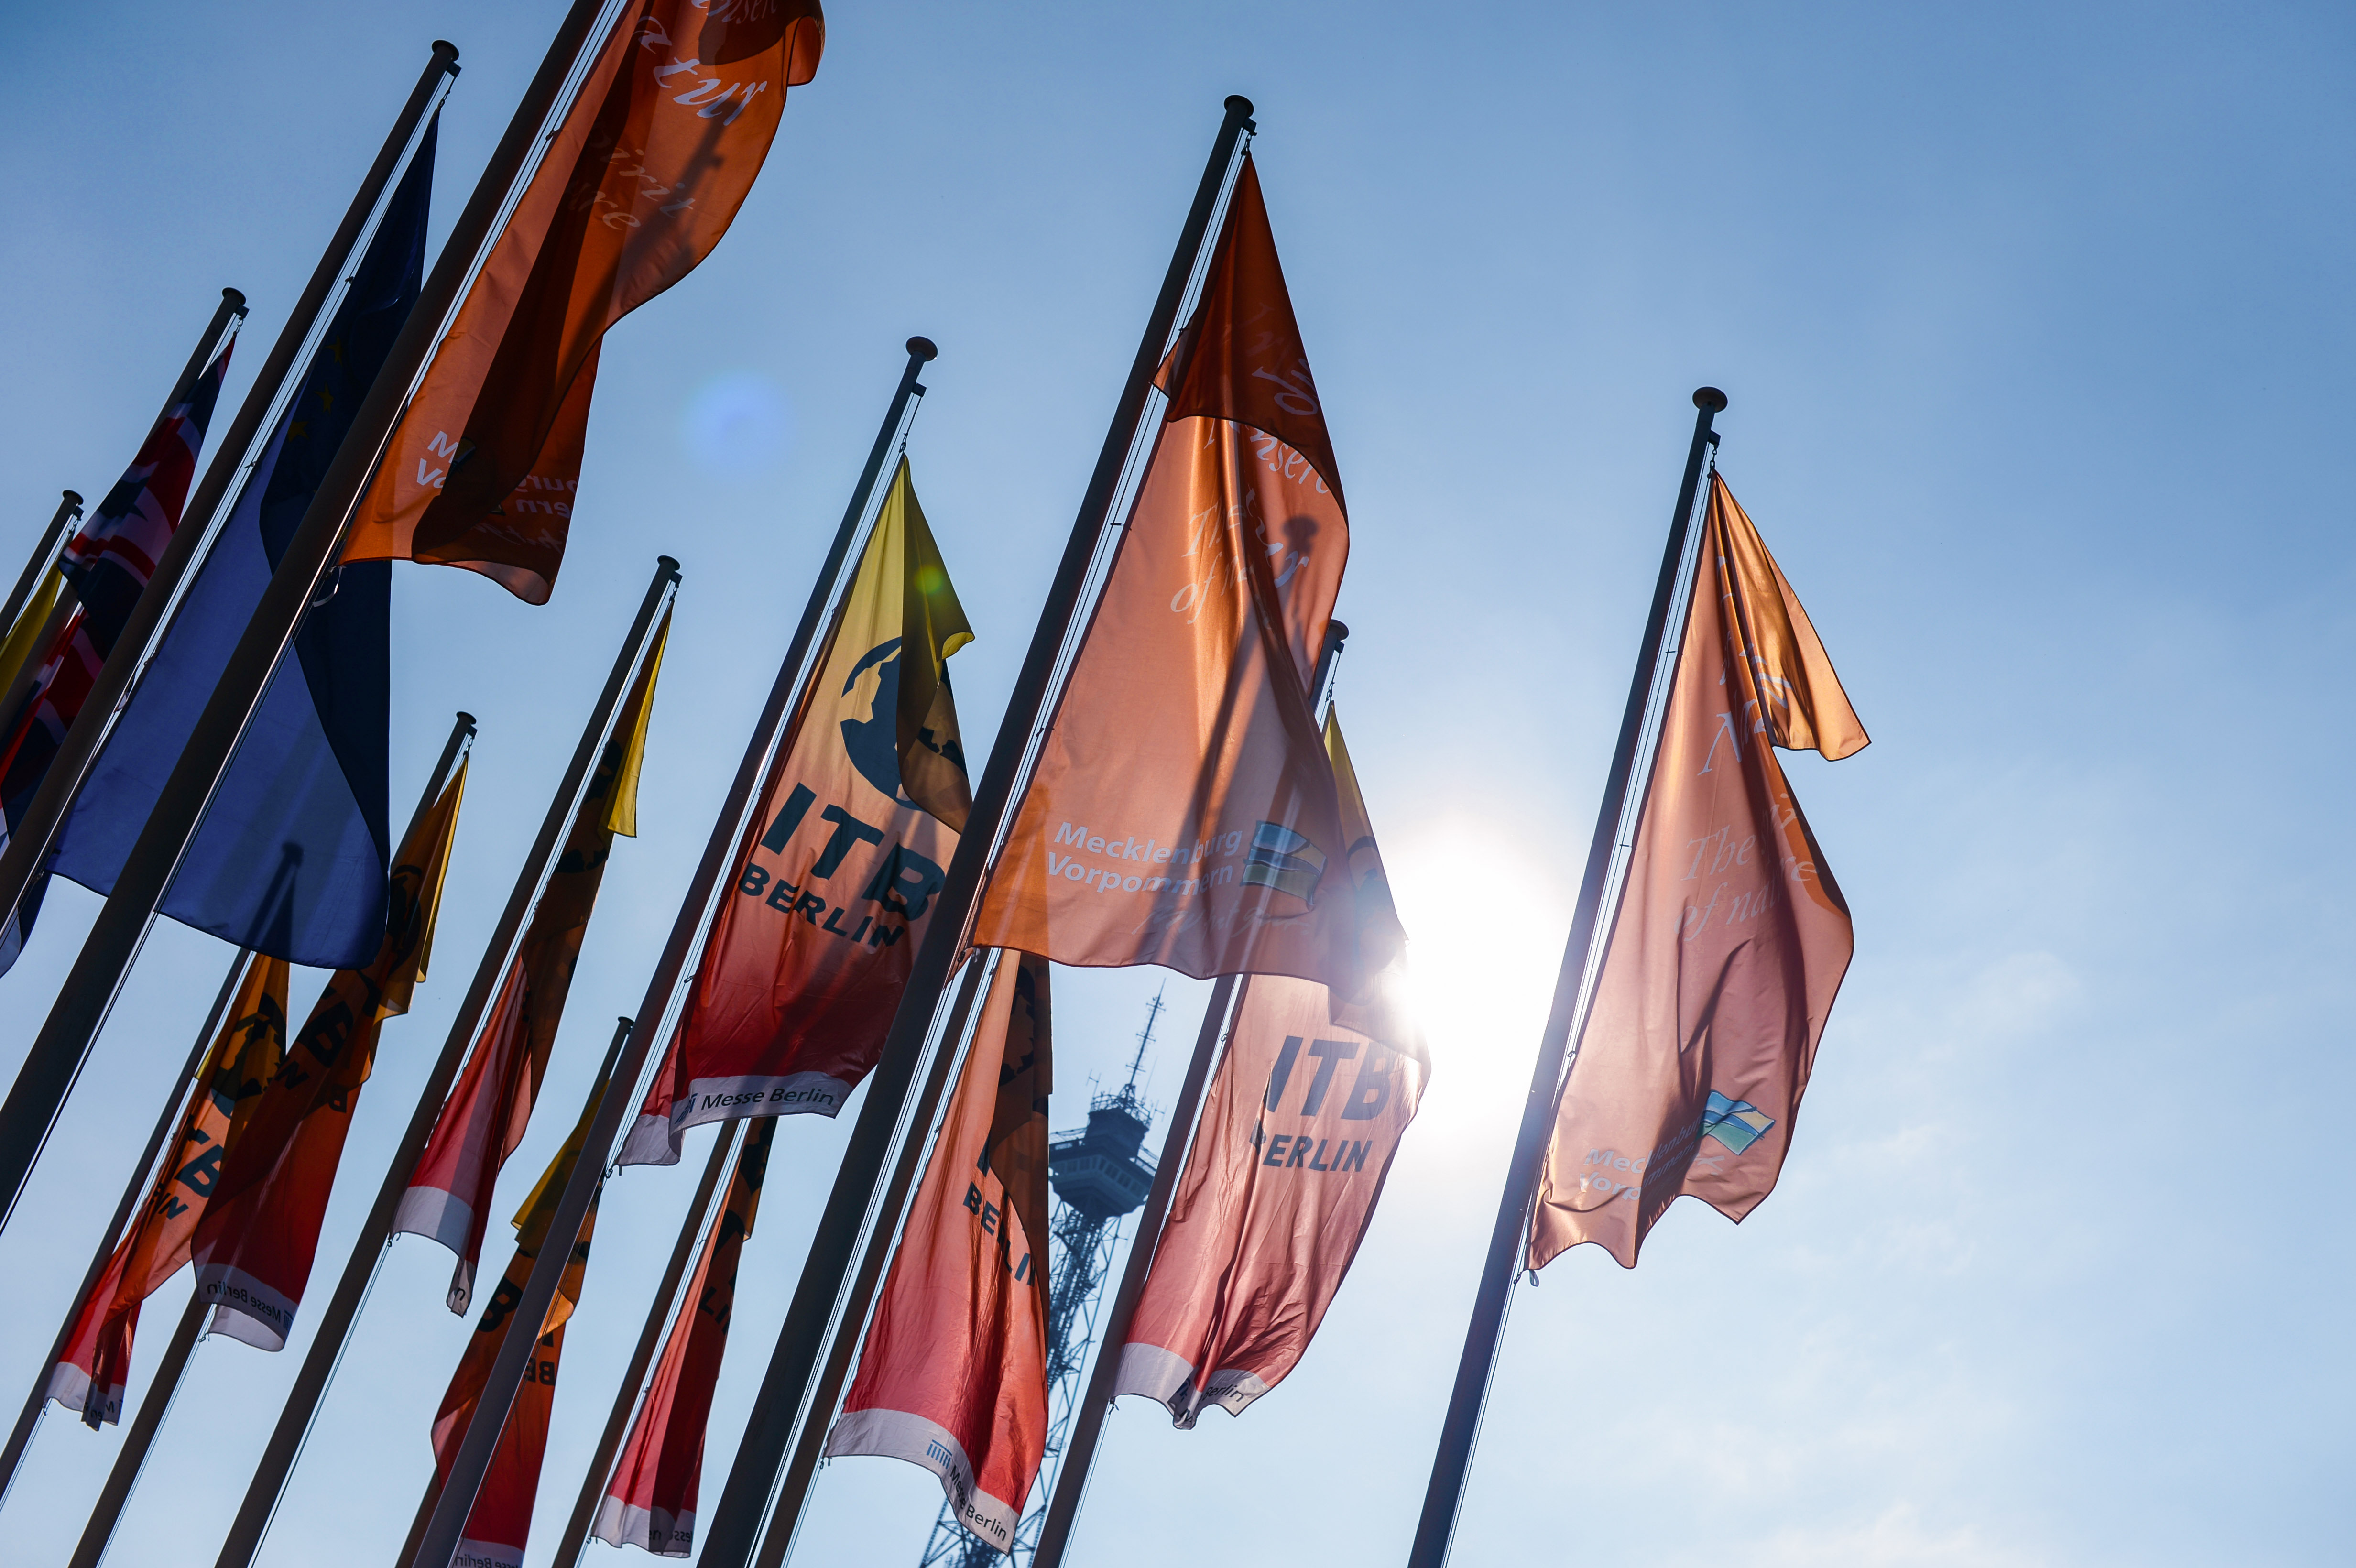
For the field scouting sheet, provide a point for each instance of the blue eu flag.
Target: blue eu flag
(290, 857)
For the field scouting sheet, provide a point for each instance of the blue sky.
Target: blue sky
(2034, 320)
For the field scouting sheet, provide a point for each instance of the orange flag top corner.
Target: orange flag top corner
(640, 180)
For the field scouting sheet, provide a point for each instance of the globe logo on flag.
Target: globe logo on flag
(1737, 1124)
(873, 743)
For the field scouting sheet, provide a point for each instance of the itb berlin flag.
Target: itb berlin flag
(954, 1374)
(1732, 938)
(1289, 1159)
(817, 932)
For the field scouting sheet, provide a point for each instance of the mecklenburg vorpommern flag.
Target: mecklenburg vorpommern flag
(291, 856)
(254, 1245)
(500, 1521)
(649, 1499)
(638, 184)
(1731, 936)
(1289, 1156)
(89, 1379)
(814, 942)
(1183, 812)
(105, 566)
(449, 1197)
(954, 1374)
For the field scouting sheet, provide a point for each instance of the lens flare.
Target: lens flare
(736, 426)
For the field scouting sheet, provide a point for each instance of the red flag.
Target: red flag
(849, 847)
(449, 1198)
(1183, 812)
(638, 183)
(73, 1381)
(649, 1500)
(1288, 1160)
(500, 1521)
(954, 1374)
(242, 1059)
(254, 1244)
(1731, 936)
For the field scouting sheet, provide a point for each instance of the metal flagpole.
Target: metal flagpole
(576, 1538)
(46, 810)
(142, 1177)
(1444, 1497)
(598, 1089)
(1088, 1427)
(140, 1438)
(786, 1518)
(65, 1035)
(483, 1428)
(737, 1519)
(44, 554)
(269, 1481)
(1072, 1479)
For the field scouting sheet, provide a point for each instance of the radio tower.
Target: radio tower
(1100, 1174)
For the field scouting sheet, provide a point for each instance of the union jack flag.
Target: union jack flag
(107, 565)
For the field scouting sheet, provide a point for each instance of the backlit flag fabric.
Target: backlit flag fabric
(106, 566)
(90, 1378)
(1296, 1139)
(954, 1374)
(291, 856)
(639, 182)
(254, 1244)
(449, 1197)
(1731, 936)
(1183, 812)
(649, 1499)
(500, 1521)
(815, 939)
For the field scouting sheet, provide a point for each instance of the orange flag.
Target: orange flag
(649, 1499)
(954, 1374)
(500, 1521)
(1288, 1160)
(1183, 812)
(254, 1243)
(90, 1378)
(812, 946)
(449, 1195)
(1731, 936)
(638, 185)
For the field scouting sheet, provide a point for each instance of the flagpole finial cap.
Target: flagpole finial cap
(236, 298)
(922, 348)
(1709, 398)
(73, 499)
(1239, 106)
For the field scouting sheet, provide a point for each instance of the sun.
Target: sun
(1479, 976)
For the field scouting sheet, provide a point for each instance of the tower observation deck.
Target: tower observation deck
(1100, 1174)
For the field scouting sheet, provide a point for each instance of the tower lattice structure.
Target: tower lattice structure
(1100, 1174)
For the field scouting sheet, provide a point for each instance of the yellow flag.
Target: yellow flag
(538, 1212)
(18, 645)
(933, 626)
(622, 811)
